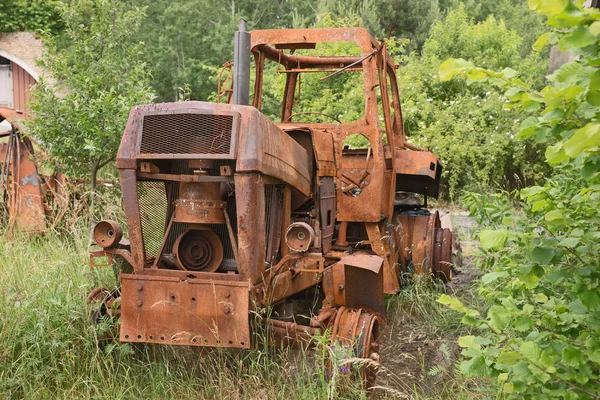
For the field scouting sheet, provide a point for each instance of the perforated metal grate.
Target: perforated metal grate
(186, 134)
(153, 214)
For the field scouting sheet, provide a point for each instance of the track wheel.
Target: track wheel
(357, 332)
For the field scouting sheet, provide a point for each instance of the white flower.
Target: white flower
(429, 100)
(512, 137)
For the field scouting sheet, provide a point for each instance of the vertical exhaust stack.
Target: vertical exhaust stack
(241, 65)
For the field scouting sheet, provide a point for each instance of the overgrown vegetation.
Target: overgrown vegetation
(30, 15)
(540, 337)
(81, 104)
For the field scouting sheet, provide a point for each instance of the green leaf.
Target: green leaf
(595, 28)
(541, 298)
(572, 356)
(569, 242)
(593, 97)
(508, 357)
(493, 239)
(555, 154)
(456, 305)
(466, 341)
(548, 7)
(492, 276)
(553, 215)
(584, 138)
(509, 73)
(523, 323)
(499, 317)
(580, 37)
(590, 299)
(541, 42)
(528, 126)
(542, 254)
(531, 351)
(452, 67)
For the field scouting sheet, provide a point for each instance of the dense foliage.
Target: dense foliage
(96, 80)
(30, 15)
(469, 126)
(541, 335)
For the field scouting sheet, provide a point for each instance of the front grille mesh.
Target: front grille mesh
(153, 214)
(186, 134)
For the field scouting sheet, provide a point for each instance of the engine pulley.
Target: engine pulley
(198, 250)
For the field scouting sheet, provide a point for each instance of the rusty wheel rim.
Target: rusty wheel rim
(360, 331)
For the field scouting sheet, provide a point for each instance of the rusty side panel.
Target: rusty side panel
(356, 281)
(23, 185)
(29, 211)
(418, 172)
(193, 312)
(327, 207)
(380, 244)
(324, 153)
(251, 220)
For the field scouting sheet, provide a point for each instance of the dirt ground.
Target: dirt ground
(416, 356)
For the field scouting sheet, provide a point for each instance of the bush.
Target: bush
(541, 337)
(468, 126)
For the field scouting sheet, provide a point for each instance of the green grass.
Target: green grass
(48, 345)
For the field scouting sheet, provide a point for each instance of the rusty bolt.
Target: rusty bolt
(139, 303)
(227, 294)
(140, 288)
(340, 287)
(227, 310)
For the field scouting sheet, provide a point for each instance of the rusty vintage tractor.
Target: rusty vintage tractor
(231, 215)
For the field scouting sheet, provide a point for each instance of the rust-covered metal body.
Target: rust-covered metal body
(24, 191)
(230, 214)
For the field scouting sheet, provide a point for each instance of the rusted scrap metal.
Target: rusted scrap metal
(27, 195)
(230, 214)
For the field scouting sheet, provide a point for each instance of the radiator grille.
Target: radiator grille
(186, 134)
(153, 214)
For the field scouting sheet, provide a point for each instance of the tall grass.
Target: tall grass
(48, 344)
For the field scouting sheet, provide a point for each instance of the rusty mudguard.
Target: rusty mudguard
(192, 312)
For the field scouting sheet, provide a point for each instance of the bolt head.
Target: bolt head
(139, 303)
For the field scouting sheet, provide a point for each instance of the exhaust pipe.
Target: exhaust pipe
(241, 65)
